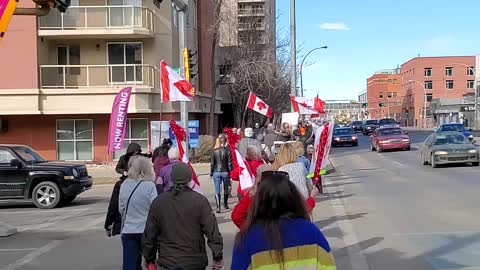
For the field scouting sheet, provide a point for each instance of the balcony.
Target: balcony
(244, 12)
(251, 26)
(97, 76)
(98, 21)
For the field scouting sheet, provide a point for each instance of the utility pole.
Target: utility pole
(182, 44)
(293, 51)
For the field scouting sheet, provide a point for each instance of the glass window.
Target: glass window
(428, 85)
(394, 94)
(449, 84)
(380, 95)
(429, 97)
(471, 71)
(394, 81)
(136, 132)
(5, 157)
(75, 140)
(428, 72)
(389, 95)
(127, 58)
(470, 84)
(449, 71)
(68, 55)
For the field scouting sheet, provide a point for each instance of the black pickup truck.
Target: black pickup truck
(26, 176)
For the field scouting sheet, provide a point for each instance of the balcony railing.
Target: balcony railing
(251, 26)
(99, 18)
(97, 76)
(251, 11)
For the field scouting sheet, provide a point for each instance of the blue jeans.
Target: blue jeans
(132, 251)
(218, 178)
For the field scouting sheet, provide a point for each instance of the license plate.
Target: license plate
(396, 141)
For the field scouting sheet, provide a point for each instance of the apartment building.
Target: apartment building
(384, 94)
(425, 79)
(64, 70)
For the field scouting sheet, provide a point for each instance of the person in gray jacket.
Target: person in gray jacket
(136, 195)
(247, 141)
(177, 225)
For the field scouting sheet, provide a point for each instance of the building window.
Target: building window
(470, 84)
(394, 81)
(68, 55)
(75, 140)
(449, 71)
(380, 95)
(449, 84)
(428, 72)
(126, 60)
(429, 97)
(389, 95)
(471, 71)
(136, 132)
(428, 85)
(394, 94)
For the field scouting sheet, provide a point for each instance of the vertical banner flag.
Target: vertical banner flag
(7, 7)
(118, 120)
(323, 141)
(244, 171)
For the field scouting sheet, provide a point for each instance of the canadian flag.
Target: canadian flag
(246, 179)
(303, 105)
(256, 104)
(319, 105)
(174, 87)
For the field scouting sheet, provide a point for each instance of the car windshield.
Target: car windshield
(390, 131)
(459, 128)
(371, 122)
(384, 122)
(29, 155)
(343, 131)
(451, 139)
(356, 123)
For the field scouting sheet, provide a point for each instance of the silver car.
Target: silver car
(448, 148)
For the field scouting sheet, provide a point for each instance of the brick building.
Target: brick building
(64, 70)
(435, 78)
(384, 94)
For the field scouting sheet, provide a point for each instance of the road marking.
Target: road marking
(391, 160)
(434, 233)
(32, 255)
(16, 249)
(39, 211)
(48, 224)
(357, 259)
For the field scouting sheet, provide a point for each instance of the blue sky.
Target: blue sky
(364, 36)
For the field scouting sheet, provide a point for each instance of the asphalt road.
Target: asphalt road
(404, 215)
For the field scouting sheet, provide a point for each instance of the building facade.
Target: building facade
(65, 70)
(384, 95)
(425, 79)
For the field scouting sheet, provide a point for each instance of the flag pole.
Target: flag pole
(245, 110)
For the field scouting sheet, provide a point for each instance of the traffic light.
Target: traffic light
(189, 63)
(381, 105)
(364, 105)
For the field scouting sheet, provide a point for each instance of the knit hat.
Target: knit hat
(181, 174)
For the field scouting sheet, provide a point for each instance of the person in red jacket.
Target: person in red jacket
(239, 213)
(254, 160)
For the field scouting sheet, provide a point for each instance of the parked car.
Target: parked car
(456, 127)
(389, 138)
(448, 147)
(26, 176)
(388, 122)
(357, 126)
(369, 126)
(342, 136)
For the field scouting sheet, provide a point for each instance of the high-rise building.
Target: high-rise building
(61, 72)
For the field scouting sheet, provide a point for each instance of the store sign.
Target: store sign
(467, 108)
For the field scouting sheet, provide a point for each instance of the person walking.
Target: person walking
(286, 160)
(220, 168)
(247, 141)
(254, 160)
(178, 222)
(161, 161)
(133, 149)
(286, 133)
(136, 195)
(278, 233)
(301, 155)
(164, 179)
(310, 151)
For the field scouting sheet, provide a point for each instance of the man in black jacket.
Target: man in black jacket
(178, 222)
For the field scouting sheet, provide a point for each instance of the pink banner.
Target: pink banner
(118, 120)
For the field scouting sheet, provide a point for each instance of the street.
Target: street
(379, 211)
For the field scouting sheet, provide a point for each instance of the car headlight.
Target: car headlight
(441, 153)
(386, 141)
(405, 140)
(337, 139)
(369, 127)
(473, 151)
(75, 173)
(354, 137)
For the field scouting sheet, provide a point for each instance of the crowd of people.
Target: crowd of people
(163, 221)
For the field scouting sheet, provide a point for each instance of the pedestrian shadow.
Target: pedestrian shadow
(344, 183)
(330, 220)
(332, 195)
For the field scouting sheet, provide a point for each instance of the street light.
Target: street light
(475, 84)
(301, 65)
(425, 102)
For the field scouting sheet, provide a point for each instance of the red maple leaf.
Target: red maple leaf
(261, 105)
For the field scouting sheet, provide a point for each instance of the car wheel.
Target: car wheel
(424, 162)
(68, 199)
(371, 147)
(46, 195)
(379, 150)
(475, 163)
(407, 149)
(432, 162)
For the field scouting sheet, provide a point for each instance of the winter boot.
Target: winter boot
(225, 201)
(218, 199)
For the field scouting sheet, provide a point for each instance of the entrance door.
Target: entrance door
(127, 59)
